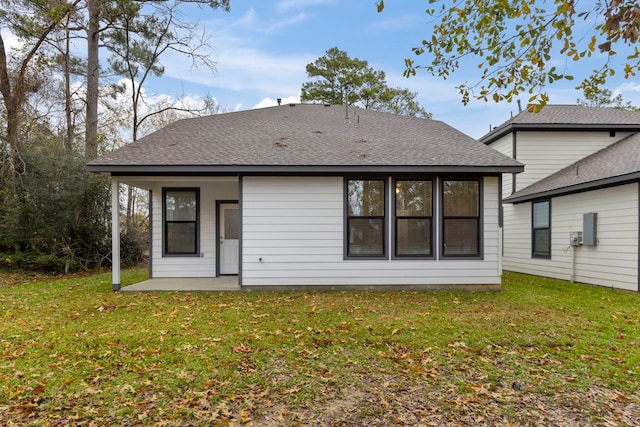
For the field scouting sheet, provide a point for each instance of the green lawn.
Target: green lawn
(72, 352)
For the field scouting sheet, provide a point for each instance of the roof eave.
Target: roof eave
(500, 132)
(288, 169)
(578, 188)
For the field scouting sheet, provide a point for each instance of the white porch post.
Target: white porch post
(115, 234)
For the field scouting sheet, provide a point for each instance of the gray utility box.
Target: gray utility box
(589, 229)
(575, 238)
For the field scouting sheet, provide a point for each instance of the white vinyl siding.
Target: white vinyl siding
(612, 262)
(504, 145)
(190, 266)
(293, 234)
(544, 153)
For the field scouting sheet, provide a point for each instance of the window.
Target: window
(541, 230)
(460, 218)
(180, 221)
(413, 218)
(411, 223)
(365, 218)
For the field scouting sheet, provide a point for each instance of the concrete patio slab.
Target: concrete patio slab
(186, 284)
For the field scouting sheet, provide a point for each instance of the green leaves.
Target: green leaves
(336, 71)
(338, 74)
(511, 42)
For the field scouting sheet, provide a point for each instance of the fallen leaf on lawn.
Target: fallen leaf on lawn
(244, 416)
(242, 349)
(460, 344)
(128, 388)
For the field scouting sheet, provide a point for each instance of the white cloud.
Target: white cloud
(270, 102)
(250, 22)
(630, 92)
(394, 24)
(10, 41)
(628, 87)
(247, 19)
(243, 64)
(276, 25)
(243, 67)
(285, 5)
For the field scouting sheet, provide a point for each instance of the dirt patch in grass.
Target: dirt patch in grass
(385, 400)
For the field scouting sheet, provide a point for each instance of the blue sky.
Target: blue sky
(262, 47)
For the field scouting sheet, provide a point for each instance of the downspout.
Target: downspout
(240, 232)
(573, 263)
(514, 141)
(500, 226)
(150, 259)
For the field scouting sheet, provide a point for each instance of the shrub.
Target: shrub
(57, 213)
(32, 261)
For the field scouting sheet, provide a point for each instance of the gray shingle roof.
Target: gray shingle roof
(615, 164)
(303, 135)
(569, 117)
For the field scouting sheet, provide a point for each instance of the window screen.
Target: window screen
(461, 218)
(413, 217)
(541, 231)
(181, 222)
(365, 218)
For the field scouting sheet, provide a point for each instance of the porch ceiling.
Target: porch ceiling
(148, 182)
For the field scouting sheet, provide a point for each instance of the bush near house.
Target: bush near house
(541, 352)
(56, 218)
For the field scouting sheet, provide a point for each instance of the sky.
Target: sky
(261, 49)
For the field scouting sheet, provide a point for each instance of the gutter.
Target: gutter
(500, 132)
(140, 170)
(573, 189)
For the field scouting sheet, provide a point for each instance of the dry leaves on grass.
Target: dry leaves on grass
(74, 353)
(375, 403)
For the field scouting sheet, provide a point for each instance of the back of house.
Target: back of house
(316, 196)
(574, 212)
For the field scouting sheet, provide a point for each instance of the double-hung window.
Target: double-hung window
(366, 235)
(180, 213)
(413, 218)
(541, 229)
(461, 218)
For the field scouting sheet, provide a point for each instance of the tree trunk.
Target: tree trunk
(12, 96)
(67, 91)
(93, 79)
(130, 206)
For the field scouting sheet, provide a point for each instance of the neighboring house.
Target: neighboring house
(306, 196)
(582, 175)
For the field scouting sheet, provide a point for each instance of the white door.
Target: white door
(229, 238)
